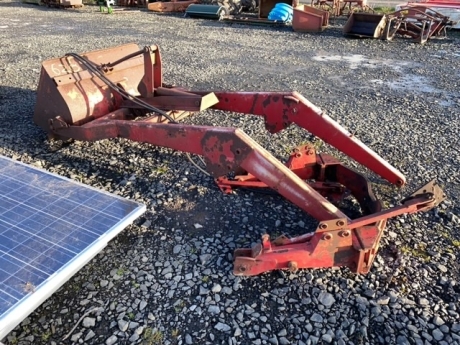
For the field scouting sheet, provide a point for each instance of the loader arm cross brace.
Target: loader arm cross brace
(95, 99)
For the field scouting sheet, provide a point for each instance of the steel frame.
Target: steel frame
(87, 106)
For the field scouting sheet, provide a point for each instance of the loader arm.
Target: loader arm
(280, 109)
(224, 150)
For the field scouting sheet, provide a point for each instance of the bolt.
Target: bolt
(323, 226)
(340, 223)
(344, 233)
(327, 237)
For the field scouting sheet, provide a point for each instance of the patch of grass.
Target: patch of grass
(14, 341)
(175, 333)
(121, 271)
(46, 335)
(205, 279)
(131, 316)
(153, 337)
(136, 284)
(384, 9)
(179, 306)
(419, 252)
(448, 236)
(161, 169)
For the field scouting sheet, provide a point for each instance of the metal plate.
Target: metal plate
(50, 227)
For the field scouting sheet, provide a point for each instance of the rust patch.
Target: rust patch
(224, 152)
(254, 103)
(267, 102)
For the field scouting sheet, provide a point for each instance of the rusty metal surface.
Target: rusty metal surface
(281, 109)
(78, 96)
(121, 83)
(417, 22)
(335, 243)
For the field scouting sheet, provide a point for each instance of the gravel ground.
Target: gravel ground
(167, 278)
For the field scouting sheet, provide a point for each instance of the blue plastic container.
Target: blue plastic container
(281, 12)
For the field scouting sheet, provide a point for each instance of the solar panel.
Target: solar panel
(50, 227)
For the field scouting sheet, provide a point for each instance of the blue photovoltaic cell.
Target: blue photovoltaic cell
(49, 224)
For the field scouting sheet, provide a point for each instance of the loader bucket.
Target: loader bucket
(309, 19)
(365, 25)
(66, 87)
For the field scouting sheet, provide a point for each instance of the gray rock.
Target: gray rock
(123, 325)
(423, 302)
(142, 305)
(88, 322)
(369, 293)
(313, 340)
(455, 327)
(76, 336)
(402, 340)
(90, 335)
(273, 341)
(437, 334)
(316, 318)
(327, 338)
(412, 328)
(427, 336)
(444, 328)
(111, 340)
(442, 268)
(283, 341)
(134, 337)
(227, 290)
(213, 309)
(326, 299)
(220, 326)
(216, 288)
(203, 291)
(204, 259)
(437, 320)
(188, 339)
(282, 333)
(177, 248)
(84, 302)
